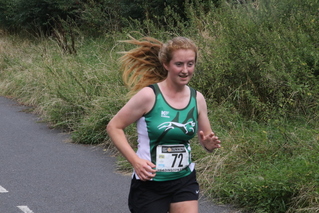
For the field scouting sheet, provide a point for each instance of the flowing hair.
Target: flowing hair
(143, 65)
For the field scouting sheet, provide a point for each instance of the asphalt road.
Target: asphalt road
(41, 172)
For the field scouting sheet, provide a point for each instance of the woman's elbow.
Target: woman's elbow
(109, 127)
(113, 126)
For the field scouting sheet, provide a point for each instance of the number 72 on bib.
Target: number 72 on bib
(172, 158)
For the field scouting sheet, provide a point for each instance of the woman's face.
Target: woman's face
(182, 66)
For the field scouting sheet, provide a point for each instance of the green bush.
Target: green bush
(36, 16)
(262, 60)
(93, 17)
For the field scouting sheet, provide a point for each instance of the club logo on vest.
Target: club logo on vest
(187, 127)
(164, 114)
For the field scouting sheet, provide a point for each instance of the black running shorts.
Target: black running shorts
(156, 196)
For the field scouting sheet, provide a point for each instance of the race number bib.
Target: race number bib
(171, 158)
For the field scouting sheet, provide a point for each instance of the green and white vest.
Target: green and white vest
(164, 134)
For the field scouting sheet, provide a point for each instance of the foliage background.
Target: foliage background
(258, 69)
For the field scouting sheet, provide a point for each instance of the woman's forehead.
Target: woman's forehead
(183, 54)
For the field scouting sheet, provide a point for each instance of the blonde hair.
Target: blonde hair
(143, 65)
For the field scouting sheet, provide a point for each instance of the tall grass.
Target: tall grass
(258, 70)
(76, 92)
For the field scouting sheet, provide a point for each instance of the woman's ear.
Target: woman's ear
(165, 66)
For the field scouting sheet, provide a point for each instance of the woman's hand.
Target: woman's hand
(210, 141)
(144, 169)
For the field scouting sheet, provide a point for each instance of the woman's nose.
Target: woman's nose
(185, 69)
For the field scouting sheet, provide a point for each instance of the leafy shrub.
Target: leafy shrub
(36, 16)
(262, 60)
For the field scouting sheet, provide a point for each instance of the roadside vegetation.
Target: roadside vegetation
(258, 69)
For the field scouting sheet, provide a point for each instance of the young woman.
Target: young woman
(168, 114)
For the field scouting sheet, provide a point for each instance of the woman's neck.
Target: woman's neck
(177, 97)
(171, 88)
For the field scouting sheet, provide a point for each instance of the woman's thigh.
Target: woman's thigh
(184, 207)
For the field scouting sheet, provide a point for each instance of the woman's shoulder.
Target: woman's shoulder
(145, 95)
(148, 91)
(199, 94)
(201, 102)
(146, 98)
(142, 101)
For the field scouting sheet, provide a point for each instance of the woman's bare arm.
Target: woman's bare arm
(134, 109)
(206, 136)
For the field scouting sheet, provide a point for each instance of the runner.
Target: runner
(169, 114)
